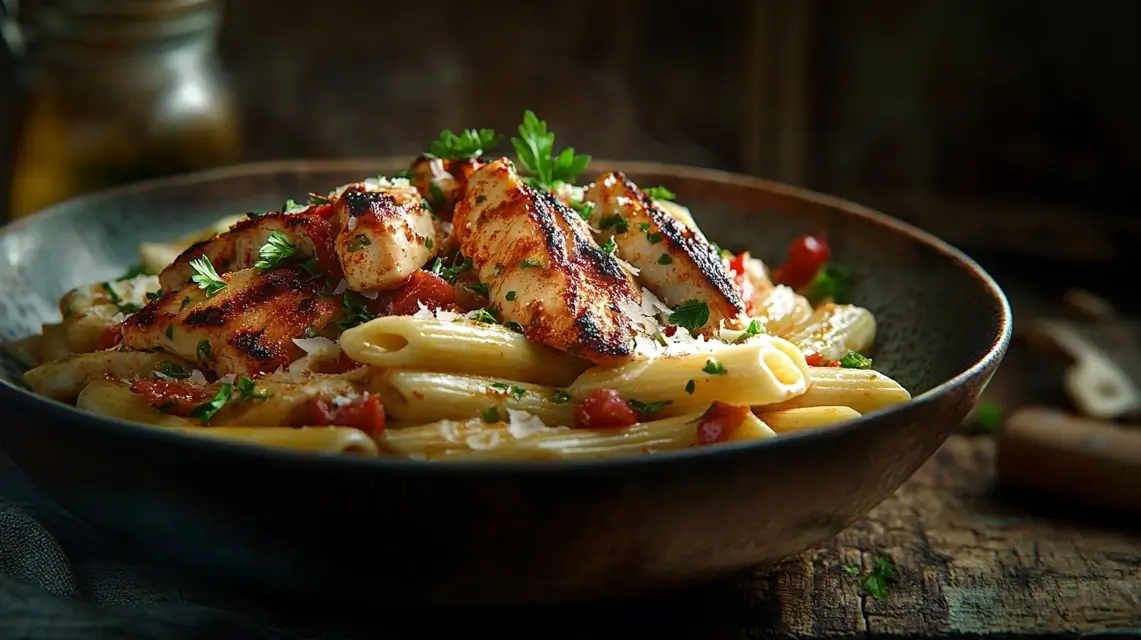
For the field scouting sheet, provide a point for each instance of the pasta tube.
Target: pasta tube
(762, 371)
(431, 344)
(786, 420)
(54, 345)
(417, 397)
(115, 399)
(65, 379)
(90, 310)
(834, 330)
(337, 440)
(29, 350)
(781, 310)
(863, 390)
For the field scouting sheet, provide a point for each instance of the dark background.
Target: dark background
(1007, 125)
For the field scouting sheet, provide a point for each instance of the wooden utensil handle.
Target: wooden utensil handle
(1088, 460)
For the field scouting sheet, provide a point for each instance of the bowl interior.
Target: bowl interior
(937, 313)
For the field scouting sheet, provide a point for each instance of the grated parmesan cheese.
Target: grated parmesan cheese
(351, 224)
(227, 379)
(342, 286)
(521, 424)
(196, 377)
(318, 346)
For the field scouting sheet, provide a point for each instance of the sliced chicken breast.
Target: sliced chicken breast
(248, 327)
(675, 262)
(543, 269)
(443, 182)
(385, 234)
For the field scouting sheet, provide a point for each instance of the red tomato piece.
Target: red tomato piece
(815, 360)
(718, 422)
(176, 397)
(744, 282)
(422, 287)
(806, 255)
(110, 337)
(365, 413)
(604, 409)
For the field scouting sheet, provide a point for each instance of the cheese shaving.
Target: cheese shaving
(196, 377)
(351, 223)
(318, 346)
(521, 424)
(227, 379)
(342, 286)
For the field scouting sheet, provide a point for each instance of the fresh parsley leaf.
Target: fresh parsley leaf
(429, 243)
(152, 296)
(884, 573)
(692, 315)
(558, 396)
(134, 272)
(247, 390)
(173, 371)
(647, 409)
(469, 143)
(510, 296)
(535, 151)
(530, 264)
(514, 326)
(490, 415)
(485, 315)
(290, 203)
(518, 392)
(690, 386)
(832, 281)
(480, 288)
(616, 222)
(851, 570)
(714, 368)
(315, 199)
(645, 226)
(205, 276)
(499, 386)
(276, 249)
(449, 274)
(754, 329)
(583, 209)
(206, 411)
(354, 310)
(654, 238)
(665, 259)
(659, 193)
(358, 243)
(204, 354)
(609, 247)
(254, 215)
(853, 360)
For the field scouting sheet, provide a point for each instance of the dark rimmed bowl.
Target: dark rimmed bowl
(405, 533)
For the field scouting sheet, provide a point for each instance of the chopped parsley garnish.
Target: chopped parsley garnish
(170, 332)
(205, 276)
(853, 360)
(535, 150)
(515, 390)
(155, 295)
(714, 368)
(290, 203)
(480, 288)
(254, 215)
(609, 247)
(429, 243)
(173, 371)
(754, 329)
(692, 315)
(659, 193)
(647, 409)
(851, 570)
(690, 386)
(833, 281)
(645, 226)
(616, 222)
(207, 410)
(449, 274)
(468, 144)
(530, 264)
(247, 390)
(490, 415)
(665, 259)
(315, 199)
(558, 396)
(884, 573)
(514, 326)
(126, 308)
(134, 272)
(276, 249)
(354, 311)
(204, 351)
(436, 197)
(310, 333)
(185, 303)
(654, 238)
(358, 243)
(583, 209)
(510, 296)
(486, 315)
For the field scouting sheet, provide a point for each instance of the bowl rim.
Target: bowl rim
(369, 165)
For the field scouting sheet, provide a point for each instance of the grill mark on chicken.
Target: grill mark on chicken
(361, 202)
(250, 344)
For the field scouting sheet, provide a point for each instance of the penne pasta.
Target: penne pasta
(115, 399)
(786, 420)
(764, 370)
(335, 440)
(65, 379)
(288, 401)
(28, 350)
(461, 346)
(54, 345)
(863, 390)
(91, 310)
(835, 329)
(781, 310)
(416, 397)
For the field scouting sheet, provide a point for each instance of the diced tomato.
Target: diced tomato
(670, 331)
(718, 422)
(604, 409)
(323, 230)
(744, 282)
(365, 413)
(177, 397)
(806, 255)
(422, 287)
(817, 360)
(110, 336)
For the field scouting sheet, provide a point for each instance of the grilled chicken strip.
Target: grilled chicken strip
(246, 328)
(443, 182)
(543, 269)
(675, 262)
(373, 234)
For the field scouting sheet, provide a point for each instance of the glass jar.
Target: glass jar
(120, 90)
